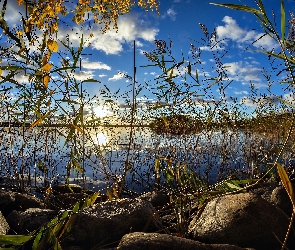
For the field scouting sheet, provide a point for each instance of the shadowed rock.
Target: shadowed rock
(281, 199)
(244, 220)
(158, 199)
(30, 220)
(153, 241)
(108, 221)
(10, 201)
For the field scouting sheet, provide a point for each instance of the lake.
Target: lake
(97, 158)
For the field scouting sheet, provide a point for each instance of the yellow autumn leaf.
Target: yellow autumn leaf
(19, 33)
(46, 80)
(34, 124)
(52, 45)
(47, 67)
(55, 26)
(0, 72)
(46, 58)
(78, 128)
(286, 182)
(20, 2)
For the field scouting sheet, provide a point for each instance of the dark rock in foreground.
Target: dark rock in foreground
(280, 198)
(153, 241)
(29, 220)
(10, 201)
(245, 220)
(157, 199)
(108, 221)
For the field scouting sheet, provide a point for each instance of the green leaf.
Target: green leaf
(283, 19)
(240, 7)
(37, 239)
(14, 239)
(91, 80)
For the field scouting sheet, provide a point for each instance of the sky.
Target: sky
(109, 58)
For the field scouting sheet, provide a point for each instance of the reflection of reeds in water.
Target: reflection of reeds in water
(28, 155)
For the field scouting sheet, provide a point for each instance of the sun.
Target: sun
(101, 112)
(101, 139)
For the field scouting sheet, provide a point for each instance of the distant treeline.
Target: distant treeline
(179, 124)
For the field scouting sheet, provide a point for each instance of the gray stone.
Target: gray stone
(244, 219)
(65, 201)
(7, 202)
(280, 198)
(29, 220)
(153, 241)
(26, 201)
(108, 221)
(158, 199)
(67, 188)
(10, 201)
(4, 227)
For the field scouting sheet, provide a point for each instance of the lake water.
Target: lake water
(99, 156)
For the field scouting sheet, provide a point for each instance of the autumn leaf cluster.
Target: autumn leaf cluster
(45, 14)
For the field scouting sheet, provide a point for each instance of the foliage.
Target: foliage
(175, 124)
(286, 54)
(49, 236)
(186, 188)
(46, 14)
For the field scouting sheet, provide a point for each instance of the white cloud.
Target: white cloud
(171, 13)
(243, 92)
(243, 72)
(94, 65)
(13, 10)
(232, 31)
(260, 101)
(131, 27)
(290, 98)
(83, 75)
(117, 77)
(102, 75)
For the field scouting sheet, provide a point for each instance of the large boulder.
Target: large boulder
(65, 201)
(29, 220)
(7, 202)
(10, 201)
(108, 221)
(4, 227)
(152, 241)
(66, 188)
(157, 198)
(244, 219)
(280, 198)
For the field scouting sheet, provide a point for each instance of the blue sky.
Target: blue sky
(110, 56)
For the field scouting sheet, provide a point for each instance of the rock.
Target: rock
(264, 189)
(280, 198)
(108, 221)
(158, 199)
(25, 201)
(7, 202)
(153, 241)
(65, 201)
(4, 227)
(30, 220)
(66, 188)
(244, 220)
(10, 201)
